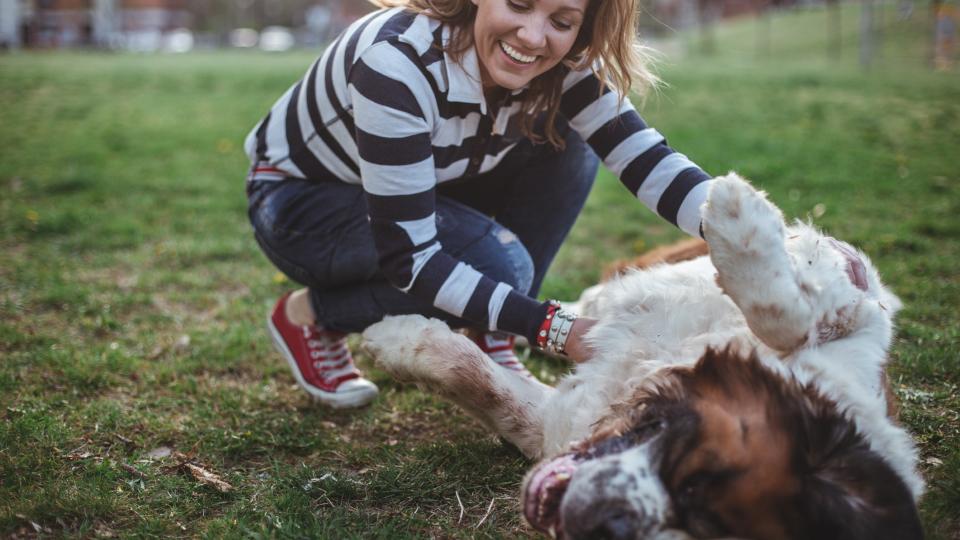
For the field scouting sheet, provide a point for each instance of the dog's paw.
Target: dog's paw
(397, 342)
(738, 217)
(413, 348)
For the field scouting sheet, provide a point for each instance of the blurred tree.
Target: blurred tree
(867, 34)
(834, 29)
(707, 11)
(763, 27)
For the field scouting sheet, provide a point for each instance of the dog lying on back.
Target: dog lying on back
(735, 395)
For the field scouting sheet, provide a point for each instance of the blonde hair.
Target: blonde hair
(606, 43)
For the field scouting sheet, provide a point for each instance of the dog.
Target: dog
(739, 394)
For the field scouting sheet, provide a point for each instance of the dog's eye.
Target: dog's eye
(691, 491)
(693, 505)
(695, 487)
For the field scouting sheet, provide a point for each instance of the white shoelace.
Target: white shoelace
(331, 357)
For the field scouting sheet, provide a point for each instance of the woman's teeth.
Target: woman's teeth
(515, 54)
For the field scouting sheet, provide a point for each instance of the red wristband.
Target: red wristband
(545, 326)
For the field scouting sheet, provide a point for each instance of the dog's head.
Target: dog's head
(727, 448)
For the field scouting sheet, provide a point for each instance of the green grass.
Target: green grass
(132, 294)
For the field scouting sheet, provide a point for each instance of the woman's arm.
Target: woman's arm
(664, 180)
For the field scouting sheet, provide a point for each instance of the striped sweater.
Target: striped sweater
(386, 108)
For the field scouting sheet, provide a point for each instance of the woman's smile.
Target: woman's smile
(516, 55)
(518, 40)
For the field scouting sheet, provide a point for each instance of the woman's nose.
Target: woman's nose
(531, 33)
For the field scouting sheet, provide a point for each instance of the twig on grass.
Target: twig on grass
(208, 478)
(457, 493)
(124, 440)
(133, 470)
(200, 474)
(485, 516)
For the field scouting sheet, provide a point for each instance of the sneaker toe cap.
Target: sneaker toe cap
(359, 385)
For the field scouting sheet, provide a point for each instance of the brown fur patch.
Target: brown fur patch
(742, 444)
(766, 311)
(465, 377)
(678, 252)
(840, 325)
(468, 380)
(893, 406)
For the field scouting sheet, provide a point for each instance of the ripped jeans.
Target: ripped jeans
(508, 223)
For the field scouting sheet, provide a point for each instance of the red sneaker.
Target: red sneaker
(320, 360)
(499, 347)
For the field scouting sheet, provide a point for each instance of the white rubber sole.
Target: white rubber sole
(338, 400)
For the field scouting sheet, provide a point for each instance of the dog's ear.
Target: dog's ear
(849, 491)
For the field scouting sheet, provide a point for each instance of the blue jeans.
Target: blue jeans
(508, 223)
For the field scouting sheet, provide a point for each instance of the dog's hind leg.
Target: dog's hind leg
(746, 234)
(413, 348)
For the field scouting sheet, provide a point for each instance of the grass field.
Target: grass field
(132, 295)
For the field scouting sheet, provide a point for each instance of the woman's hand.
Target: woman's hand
(576, 348)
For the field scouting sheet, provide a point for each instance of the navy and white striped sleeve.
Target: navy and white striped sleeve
(393, 115)
(665, 180)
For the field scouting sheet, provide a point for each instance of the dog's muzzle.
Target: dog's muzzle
(617, 497)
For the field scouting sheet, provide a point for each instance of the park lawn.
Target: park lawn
(132, 296)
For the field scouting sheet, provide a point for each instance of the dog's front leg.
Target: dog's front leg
(747, 246)
(415, 349)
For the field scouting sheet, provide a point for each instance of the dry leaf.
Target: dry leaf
(133, 470)
(208, 478)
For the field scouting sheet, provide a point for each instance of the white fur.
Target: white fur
(825, 331)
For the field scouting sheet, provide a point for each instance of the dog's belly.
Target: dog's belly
(648, 321)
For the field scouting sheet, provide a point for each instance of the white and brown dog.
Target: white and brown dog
(736, 395)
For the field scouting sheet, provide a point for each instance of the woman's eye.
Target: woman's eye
(561, 25)
(516, 7)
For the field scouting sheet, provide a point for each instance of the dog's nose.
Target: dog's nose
(604, 524)
(615, 527)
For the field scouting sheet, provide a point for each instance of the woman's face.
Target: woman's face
(517, 40)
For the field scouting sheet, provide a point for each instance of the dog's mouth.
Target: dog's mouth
(545, 486)
(543, 491)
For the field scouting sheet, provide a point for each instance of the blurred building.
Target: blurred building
(73, 23)
(147, 25)
(668, 16)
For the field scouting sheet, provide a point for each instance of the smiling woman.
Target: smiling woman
(434, 159)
